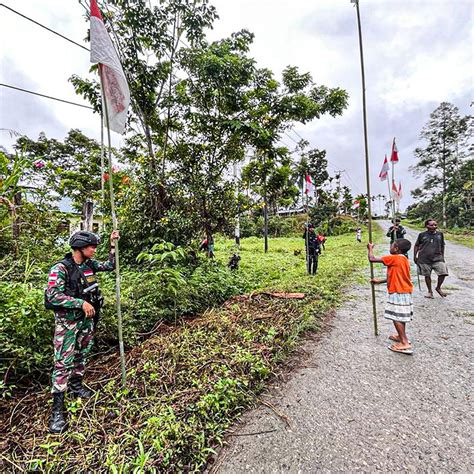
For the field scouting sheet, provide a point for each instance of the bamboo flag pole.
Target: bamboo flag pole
(393, 181)
(307, 234)
(102, 169)
(115, 227)
(367, 167)
(389, 197)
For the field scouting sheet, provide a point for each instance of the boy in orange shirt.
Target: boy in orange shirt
(399, 307)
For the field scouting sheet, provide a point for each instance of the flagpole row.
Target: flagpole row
(367, 167)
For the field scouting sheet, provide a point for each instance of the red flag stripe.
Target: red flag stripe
(95, 10)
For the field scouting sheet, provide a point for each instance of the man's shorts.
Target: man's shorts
(440, 268)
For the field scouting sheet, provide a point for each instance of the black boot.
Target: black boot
(78, 390)
(57, 423)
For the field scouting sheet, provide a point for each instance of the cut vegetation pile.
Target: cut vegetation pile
(188, 382)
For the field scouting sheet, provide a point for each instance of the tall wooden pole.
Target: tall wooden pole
(307, 235)
(393, 181)
(390, 198)
(115, 226)
(237, 219)
(367, 168)
(265, 206)
(102, 169)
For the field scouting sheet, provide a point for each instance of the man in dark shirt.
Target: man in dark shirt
(313, 249)
(396, 231)
(429, 255)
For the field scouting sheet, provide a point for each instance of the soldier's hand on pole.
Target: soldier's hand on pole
(115, 235)
(88, 309)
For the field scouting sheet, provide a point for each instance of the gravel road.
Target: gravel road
(357, 407)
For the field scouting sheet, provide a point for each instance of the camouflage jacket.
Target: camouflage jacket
(71, 307)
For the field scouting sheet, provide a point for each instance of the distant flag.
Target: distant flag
(400, 195)
(395, 196)
(114, 83)
(384, 171)
(309, 186)
(356, 204)
(394, 157)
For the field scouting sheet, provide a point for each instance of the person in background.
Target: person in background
(396, 231)
(312, 249)
(322, 239)
(208, 245)
(429, 255)
(359, 234)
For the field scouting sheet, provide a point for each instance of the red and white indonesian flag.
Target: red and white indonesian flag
(308, 186)
(114, 84)
(356, 204)
(394, 156)
(400, 195)
(395, 195)
(384, 171)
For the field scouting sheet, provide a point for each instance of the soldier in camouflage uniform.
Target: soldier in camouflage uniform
(73, 294)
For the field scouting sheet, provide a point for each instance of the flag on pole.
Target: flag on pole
(356, 204)
(400, 195)
(384, 171)
(309, 186)
(395, 195)
(114, 83)
(394, 156)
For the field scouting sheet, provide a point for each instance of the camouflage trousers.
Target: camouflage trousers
(73, 341)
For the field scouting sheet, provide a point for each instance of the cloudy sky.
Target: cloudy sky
(418, 53)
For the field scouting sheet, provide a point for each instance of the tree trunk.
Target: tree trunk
(16, 218)
(150, 147)
(265, 215)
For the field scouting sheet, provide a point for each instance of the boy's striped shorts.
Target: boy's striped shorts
(399, 307)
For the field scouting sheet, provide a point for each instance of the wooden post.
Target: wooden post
(87, 215)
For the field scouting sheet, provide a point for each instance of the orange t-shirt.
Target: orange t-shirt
(398, 274)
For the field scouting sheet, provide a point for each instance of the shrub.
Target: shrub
(277, 226)
(26, 331)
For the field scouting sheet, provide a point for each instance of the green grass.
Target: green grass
(189, 383)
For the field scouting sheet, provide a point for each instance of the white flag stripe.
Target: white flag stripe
(114, 82)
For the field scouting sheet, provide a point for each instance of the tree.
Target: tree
(446, 135)
(210, 104)
(67, 169)
(273, 175)
(148, 39)
(275, 107)
(313, 163)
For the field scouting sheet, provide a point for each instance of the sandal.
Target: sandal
(396, 339)
(394, 348)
